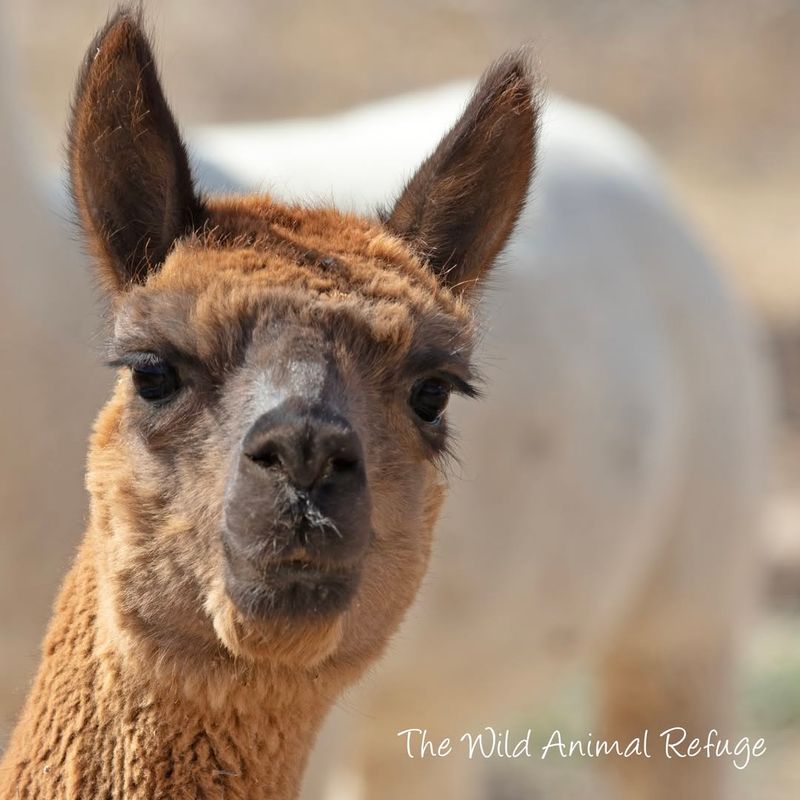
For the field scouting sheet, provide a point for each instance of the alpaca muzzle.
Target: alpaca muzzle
(297, 513)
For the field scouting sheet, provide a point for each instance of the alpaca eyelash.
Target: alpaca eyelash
(457, 384)
(135, 361)
(142, 359)
(461, 386)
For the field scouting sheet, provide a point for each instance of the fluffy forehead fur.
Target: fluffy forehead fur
(254, 259)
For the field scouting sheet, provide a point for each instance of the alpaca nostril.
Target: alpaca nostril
(339, 467)
(268, 458)
(344, 464)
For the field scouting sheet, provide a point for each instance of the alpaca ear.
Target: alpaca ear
(129, 172)
(461, 205)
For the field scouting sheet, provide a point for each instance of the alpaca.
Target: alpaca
(612, 484)
(265, 479)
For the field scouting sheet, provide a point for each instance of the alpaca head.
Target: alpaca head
(264, 479)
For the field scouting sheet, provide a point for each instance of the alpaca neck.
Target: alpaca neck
(97, 725)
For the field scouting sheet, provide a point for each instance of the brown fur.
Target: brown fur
(154, 683)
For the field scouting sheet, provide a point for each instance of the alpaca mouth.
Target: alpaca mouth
(292, 588)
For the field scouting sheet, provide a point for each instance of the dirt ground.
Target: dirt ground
(710, 84)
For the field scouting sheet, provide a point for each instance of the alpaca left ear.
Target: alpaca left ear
(129, 172)
(460, 207)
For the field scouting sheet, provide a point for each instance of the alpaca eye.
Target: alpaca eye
(155, 379)
(429, 399)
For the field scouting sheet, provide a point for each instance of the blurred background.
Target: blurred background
(711, 86)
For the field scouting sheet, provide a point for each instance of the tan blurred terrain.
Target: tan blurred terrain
(710, 84)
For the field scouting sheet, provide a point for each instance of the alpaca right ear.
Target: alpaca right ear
(129, 172)
(459, 208)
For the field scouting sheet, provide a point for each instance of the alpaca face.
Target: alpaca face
(275, 430)
(266, 477)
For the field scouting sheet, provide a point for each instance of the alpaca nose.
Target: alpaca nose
(309, 447)
(299, 485)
